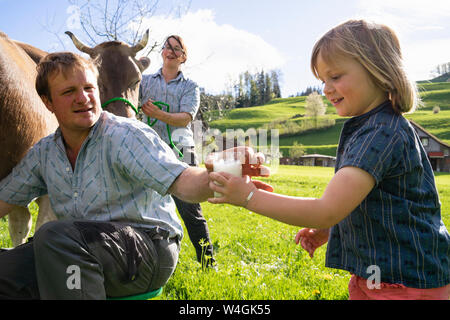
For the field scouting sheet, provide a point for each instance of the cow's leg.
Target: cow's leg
(46, 213)
(19, 222)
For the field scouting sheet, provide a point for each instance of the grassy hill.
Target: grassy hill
(442, 78)
(325, 141)
(257, 257)
(255, 117)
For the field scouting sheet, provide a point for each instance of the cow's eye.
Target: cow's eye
(135, 84)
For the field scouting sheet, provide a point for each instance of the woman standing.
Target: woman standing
(170, 86)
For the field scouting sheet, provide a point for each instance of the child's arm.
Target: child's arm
(346, 190)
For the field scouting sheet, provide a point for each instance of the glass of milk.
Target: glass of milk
(230, 164)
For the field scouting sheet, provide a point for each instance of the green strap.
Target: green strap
(142, 296)
(160, 105)
(121, 99)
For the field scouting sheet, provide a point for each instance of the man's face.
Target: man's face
(75, 100)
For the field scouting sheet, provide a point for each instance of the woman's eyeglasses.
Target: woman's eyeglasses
(177, 50)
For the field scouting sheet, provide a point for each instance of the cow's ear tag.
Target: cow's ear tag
(145, 62)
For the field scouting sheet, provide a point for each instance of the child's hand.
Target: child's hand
(311, 239)
(234, 190)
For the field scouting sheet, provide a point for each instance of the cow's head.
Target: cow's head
(120, 73)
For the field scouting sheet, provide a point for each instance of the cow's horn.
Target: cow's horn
(80, 45)
(141, 44)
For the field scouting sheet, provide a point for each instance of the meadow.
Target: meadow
(257, 258)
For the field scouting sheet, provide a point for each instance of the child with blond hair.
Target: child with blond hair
(381, 209)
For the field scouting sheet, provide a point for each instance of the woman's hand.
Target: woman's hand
(311, 239)
(150, 110)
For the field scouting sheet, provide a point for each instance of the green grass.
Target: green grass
(5, 241)
(257, 257)
(255, 117)
(443, 186)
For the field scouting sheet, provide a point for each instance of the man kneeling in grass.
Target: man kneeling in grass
(109, 180)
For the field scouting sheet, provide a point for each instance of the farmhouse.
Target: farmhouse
(438, 151)
(319, 160)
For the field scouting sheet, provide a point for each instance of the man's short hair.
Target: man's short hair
(59, 62)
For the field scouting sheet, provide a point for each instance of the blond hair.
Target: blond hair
(59, 62)
(377, 48)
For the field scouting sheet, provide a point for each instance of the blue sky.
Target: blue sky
(227, 37)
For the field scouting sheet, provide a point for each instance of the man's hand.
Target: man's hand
(192, 185)
(251, 161)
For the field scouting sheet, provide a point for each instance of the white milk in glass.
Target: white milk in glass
(231, 166)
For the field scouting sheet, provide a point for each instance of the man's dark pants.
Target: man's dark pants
(81, 259)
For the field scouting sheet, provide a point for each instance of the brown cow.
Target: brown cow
(120, 72)
(113, 82)
(24, 120)
(34, 53)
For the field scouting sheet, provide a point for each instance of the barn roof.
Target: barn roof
(429, 134)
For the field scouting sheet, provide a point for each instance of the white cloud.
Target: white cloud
(420, 26)
(410, 14)
(217, 53)
(422, 57)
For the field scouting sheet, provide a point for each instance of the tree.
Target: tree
(239, 92)
(105, 20)
(213, 107)
(315, 107)
(246, 89)
(254, 94)
(261, 87)
(268, 90)
(441, 69)
(309, 90)
(116, 20)
(297, 150)
(256, 89)
(275, 75)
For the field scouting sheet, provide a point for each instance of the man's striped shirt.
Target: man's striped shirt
(122, 173)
